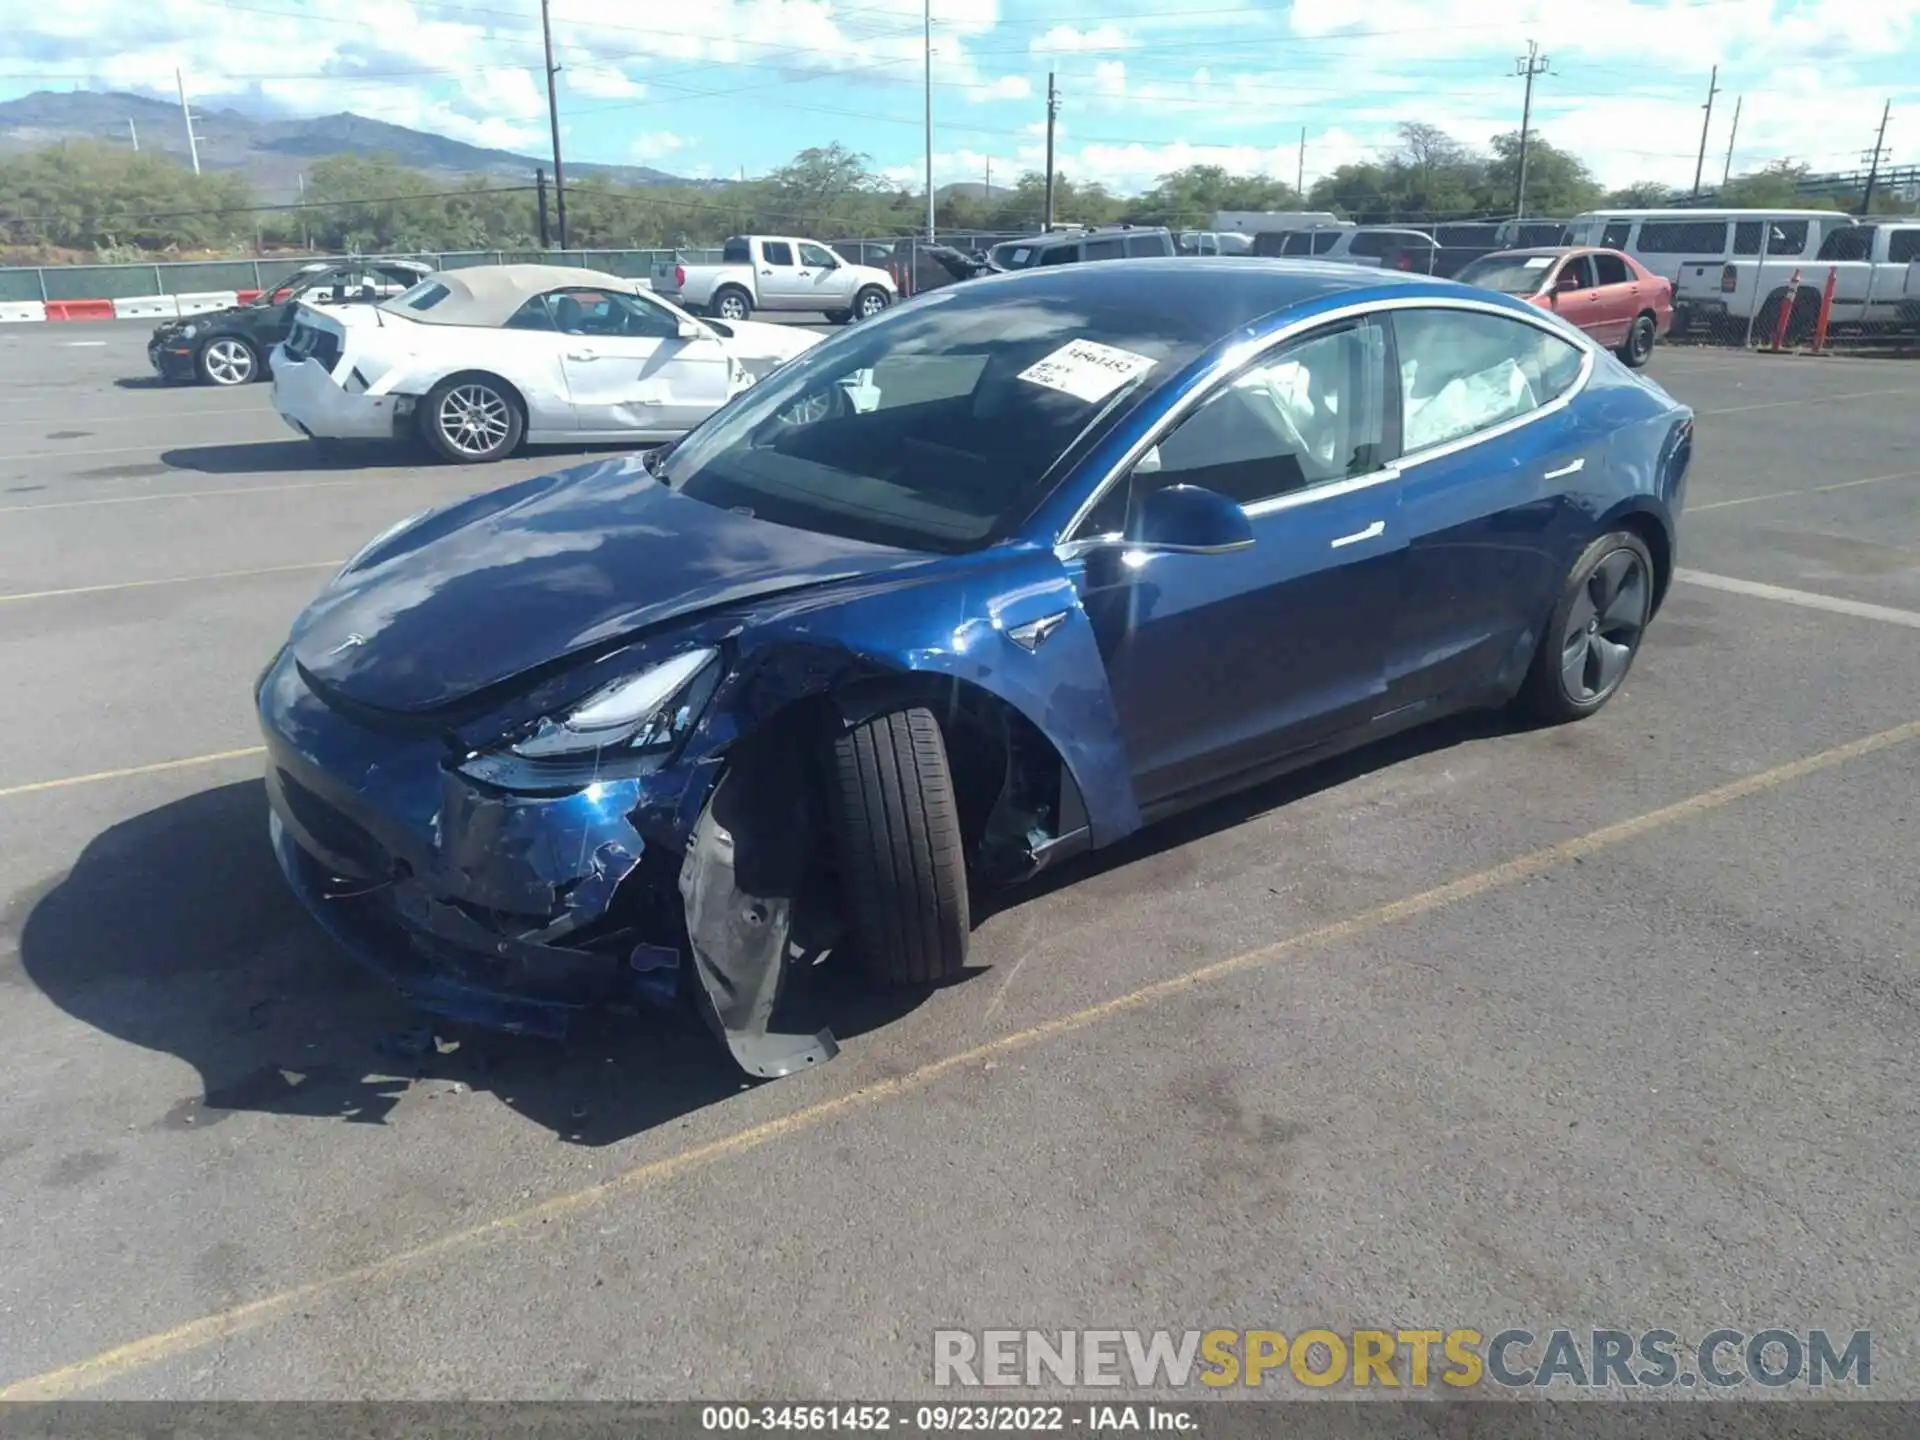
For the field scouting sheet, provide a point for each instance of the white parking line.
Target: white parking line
(169, 580)
(1810, 490)
(133, 419)
(283, 433)
(382, 476)
(1808, 400)
(1807, 598)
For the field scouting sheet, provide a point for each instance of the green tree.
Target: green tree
(1774, 186)
(84, 195)
(1191, 197)
(1641, 195)
(1558, 183)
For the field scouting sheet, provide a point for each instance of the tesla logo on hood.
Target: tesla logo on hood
(347, 644)
(1034, 633)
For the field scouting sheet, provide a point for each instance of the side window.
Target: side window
(777, 252)
(644, 320)
(1787, 237)
(1308, 414)
(1154, 245)
(1105, 249)
(1296, 242)
(1854, 242)
(1610, 270)
(1463, 371)
(534, 315)
(1060, 255)
(1576, 274)
(1683, 237)
(1746, 237)
(816, 256)
(1903, 246)
(1325, 240)
(1371, 246)
(1617, 234)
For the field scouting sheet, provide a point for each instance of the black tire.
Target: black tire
(839, 317)
(228, 361)
(731, 298)
(1801, 320)
(1638, 348)
(494, 429)
(870, 302)
(903, 868)
(1562, 685)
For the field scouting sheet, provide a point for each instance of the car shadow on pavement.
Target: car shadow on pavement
(143, 382)
(175, 931)
(292, 455)
(1238, 808)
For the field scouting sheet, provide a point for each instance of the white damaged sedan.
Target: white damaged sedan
(476, 361)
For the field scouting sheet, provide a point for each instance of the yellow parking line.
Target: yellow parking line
(35, 787)
(1809, 490)
(181, 1339)
(173, 580)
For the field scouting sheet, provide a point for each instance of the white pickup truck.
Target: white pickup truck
(777, 272)
(1876, 271)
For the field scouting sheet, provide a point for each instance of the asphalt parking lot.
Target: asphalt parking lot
(1605, 1025)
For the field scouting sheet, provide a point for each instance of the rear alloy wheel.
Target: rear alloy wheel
(470, 420)
(1594, 632)
(902, 863)
(869, 302)
(1639, 347)
(228, 360)
(732, 304)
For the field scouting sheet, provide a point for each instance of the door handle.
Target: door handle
(583, 355)
(1378, 527)
(1573, 469)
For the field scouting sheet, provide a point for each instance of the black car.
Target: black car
(230, 347)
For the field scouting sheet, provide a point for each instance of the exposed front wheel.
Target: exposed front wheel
(902, 864)
(228, 360)
(1594, 632)
(471, 419)
(1639, 347)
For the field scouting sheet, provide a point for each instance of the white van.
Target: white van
(1662, 240)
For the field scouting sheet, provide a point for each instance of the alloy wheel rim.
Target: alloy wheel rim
(1642, 338)
(1604, 627)
(229, 362)
(871, 306)
(474, 419)
(732, 309)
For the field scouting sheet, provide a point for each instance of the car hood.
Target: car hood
(489, 588)
(755, 340)
(173, 327)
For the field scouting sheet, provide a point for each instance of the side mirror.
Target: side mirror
(694, 330)
(1188, 520)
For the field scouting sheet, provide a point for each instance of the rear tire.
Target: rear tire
(1638, 348)
(902, 863)
(839, 317)
(731, 303)
(1594, 632)
(471, 419)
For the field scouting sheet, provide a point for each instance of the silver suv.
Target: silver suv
(1071, 247)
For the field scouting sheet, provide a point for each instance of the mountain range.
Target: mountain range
(270, 153)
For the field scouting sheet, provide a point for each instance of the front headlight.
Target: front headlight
(636, 719)
(188, 331)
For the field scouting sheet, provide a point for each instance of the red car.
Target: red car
(1607, 294)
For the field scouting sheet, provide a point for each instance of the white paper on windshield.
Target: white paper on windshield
(1087, 370)
(1538, 262)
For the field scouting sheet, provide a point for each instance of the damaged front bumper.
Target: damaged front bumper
(517, 911)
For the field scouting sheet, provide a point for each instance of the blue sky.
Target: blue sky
(715, 87)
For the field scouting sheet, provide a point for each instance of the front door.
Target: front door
(1576, 299)
(832, 279)
(628, 371)
(1221, 663)
(1492, 469)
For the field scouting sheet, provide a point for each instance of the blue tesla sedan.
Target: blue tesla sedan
(998, 577)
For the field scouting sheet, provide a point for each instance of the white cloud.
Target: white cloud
(1068, 40)
(657, 145)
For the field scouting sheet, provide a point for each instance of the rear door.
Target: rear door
(781, 281)
(1493, 458)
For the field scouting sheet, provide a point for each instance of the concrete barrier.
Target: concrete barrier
(14, 312)
(144, 307)
(200, 302)
(79, 310)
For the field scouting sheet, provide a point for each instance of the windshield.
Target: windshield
(936, 426)
(1514, 274)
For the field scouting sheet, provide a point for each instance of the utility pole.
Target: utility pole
(193, 141)
(1300, 167)
(928, 47)
(1726, 173)
(133, 134)
(1873, 158)
(989, 194)
(1529, 65)
(1713, 89)
(306, 227)
(553, 119)
(1053, 109)
(540, 203)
